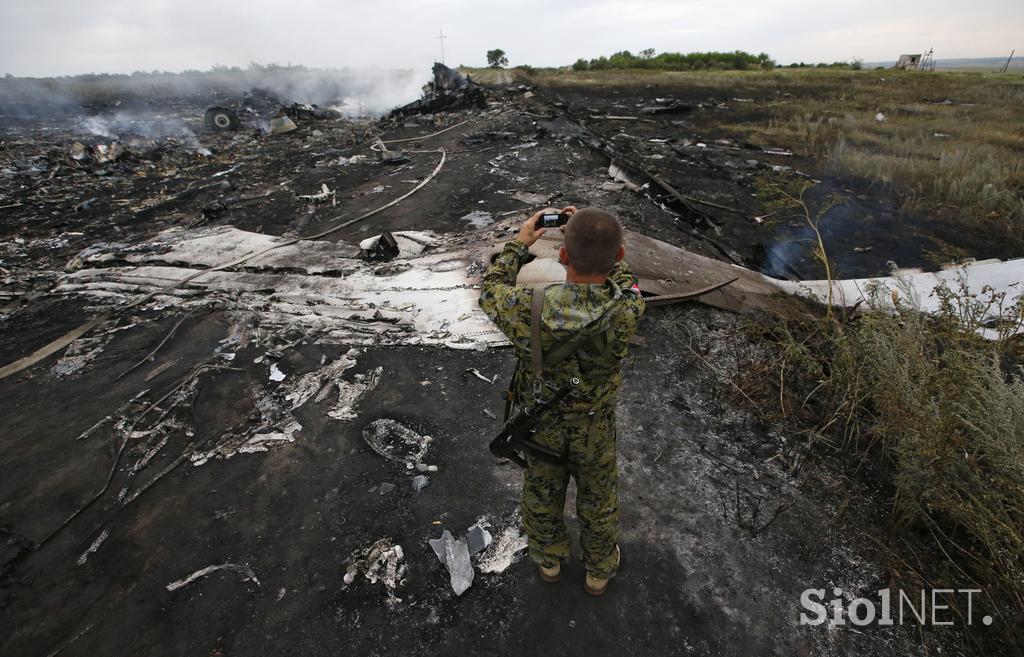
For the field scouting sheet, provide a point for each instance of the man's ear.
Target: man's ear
(621, 253)
(563, 256)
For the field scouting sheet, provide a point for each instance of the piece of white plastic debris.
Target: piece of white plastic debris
(438, 544)
(475, 372)
(880, 117)
(454, 554)
(459, 566)
(419, 482)
(275, 373)
(477, 539)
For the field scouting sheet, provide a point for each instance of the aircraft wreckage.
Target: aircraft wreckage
(428, 293)
(224, 300)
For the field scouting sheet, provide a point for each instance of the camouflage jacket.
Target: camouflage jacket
(571, 310)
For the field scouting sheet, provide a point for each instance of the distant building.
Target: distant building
(908, 62)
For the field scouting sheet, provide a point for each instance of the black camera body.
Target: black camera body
(553, 220)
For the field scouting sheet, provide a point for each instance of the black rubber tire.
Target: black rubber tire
(222, 118)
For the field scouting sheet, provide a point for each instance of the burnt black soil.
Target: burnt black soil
(692, 579)
(697, 153)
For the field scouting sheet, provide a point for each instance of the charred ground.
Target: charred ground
(725, 519)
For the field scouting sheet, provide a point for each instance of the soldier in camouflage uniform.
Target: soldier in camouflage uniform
(584, 328)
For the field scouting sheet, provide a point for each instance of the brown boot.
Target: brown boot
(550, 574)
(598, 585)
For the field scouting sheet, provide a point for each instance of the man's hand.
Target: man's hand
(530, 231)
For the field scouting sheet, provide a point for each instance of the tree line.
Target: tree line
(676, 61)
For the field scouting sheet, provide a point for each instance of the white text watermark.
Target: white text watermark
(891, 607)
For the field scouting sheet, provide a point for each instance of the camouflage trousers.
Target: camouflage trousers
(589, 446)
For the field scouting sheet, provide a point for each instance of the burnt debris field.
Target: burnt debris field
(246, 380)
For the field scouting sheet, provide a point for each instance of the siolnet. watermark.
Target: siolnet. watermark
(924, 607)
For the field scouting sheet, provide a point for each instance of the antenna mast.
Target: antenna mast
(442, 37)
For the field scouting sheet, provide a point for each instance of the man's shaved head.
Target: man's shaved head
(593, 238)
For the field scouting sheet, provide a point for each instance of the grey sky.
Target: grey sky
(56, 37)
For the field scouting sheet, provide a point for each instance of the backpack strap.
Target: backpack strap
(564, 348)
(536, 308)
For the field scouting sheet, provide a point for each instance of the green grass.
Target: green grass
(941, 409)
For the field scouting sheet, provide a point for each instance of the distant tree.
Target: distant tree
(857, 64)
(496, 58)
(675, 61)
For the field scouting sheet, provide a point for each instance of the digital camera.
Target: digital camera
(553, 220)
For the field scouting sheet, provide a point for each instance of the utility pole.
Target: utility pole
(1007, 64)
(442, 37)
(928, 61)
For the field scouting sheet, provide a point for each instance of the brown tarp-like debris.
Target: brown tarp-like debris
(666, 269)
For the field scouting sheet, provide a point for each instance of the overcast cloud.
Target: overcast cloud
(57, 37)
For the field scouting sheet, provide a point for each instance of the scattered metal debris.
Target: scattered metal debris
(303, 111)
(92, 548)
(275, 373)
(325, 194)
(396, 442)
(63, 341)
(478, 218)
(531, 199)
(381, 562)
(475, 372)
(449, 90)
(282, 124)
(383, 248)
(247, 573)
(619, 175)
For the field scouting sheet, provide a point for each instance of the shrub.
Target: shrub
(941, 407)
